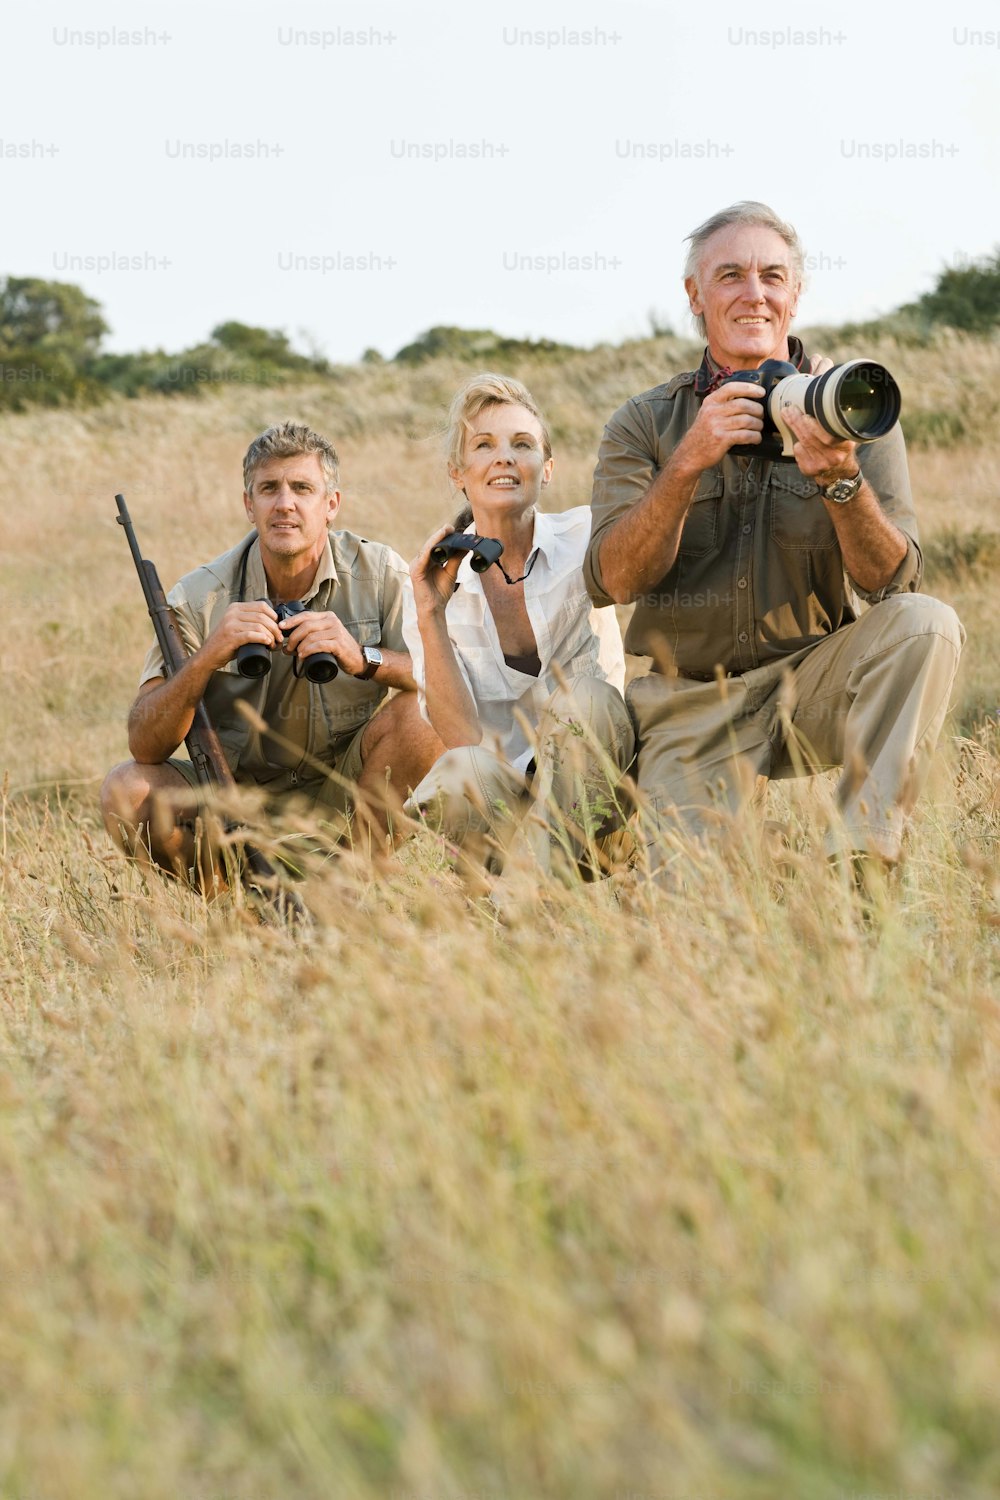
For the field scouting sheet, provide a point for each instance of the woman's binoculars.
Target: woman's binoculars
(254, 660)
(485, 550)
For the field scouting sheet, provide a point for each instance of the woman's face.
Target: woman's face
(505, 462)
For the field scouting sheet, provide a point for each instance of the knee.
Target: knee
(458, 795)
(398, 722)
(598, 707)
(922, 618)
(125, 794)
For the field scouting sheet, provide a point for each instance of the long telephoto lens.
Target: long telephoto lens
(858, 400)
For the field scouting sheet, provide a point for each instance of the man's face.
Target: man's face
(289, 505)
(748, 292)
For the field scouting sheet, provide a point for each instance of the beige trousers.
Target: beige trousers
(476, 799)
(871, 698)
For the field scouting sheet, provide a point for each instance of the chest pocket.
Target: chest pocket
(799, 519)
(365, 632)
(700, 534)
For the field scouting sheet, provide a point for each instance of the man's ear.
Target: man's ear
(248, 507)
(693, 296)
(333, 499)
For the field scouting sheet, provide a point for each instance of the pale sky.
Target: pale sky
(449, 169)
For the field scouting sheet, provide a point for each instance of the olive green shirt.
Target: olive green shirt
(362, 583)
(759, 572)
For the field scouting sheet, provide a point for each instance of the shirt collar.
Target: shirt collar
(256, 578)
(708, 371)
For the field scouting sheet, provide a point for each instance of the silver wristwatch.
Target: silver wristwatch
(843, 490)
(373, 660)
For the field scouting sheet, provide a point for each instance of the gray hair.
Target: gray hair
(746, 212)
(288, 440)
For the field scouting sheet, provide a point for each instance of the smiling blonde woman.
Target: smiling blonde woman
(519, 675)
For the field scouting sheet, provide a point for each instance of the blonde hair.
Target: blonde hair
(288, 440)
(473, 398)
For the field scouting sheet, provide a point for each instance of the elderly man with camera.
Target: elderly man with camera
(773, 561)
(294, 638)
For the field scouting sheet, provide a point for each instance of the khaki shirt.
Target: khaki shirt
(759, 572)
(363, 583)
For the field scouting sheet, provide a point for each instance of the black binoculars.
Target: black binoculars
(485, 550)
(254, 659)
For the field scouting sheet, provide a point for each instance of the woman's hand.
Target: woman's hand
(433, 585)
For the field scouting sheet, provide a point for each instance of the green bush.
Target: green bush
(480, 345)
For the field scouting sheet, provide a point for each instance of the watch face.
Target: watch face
(843, 489)
(373, 660)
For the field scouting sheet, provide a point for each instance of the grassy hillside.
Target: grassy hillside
(640, 1196)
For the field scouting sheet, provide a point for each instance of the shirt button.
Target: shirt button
(747, 530)
(743, 636)
(741, 583)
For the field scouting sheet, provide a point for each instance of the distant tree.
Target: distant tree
(474, 344)
(266, 346)
(49, 317)
(50, 332)
(659, 325)
(966, 296)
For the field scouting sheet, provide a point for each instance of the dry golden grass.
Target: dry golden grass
(642, 1196)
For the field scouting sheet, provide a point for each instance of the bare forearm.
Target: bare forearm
(396, 671)
(163, 714)
(872, 546)
(449, 703)
(641, 547)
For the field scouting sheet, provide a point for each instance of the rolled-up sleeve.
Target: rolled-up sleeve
(884, 466)
(192, 631)
(626, 467)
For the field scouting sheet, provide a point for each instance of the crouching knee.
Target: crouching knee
(594, 710)
(468, 790)
(916, 616)
(125, 797)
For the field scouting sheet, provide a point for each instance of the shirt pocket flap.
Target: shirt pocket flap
(700, 533)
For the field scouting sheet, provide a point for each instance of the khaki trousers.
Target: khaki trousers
(585, 744)
(871, 698)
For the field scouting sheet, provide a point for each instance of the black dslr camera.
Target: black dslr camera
(254, 660)
(858, 400)
(485, 550)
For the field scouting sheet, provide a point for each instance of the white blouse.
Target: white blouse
(570, 632)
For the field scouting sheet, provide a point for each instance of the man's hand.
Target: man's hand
(733, 414)
(433, 585)
(322, 630)
(818, 455)
(240, 625)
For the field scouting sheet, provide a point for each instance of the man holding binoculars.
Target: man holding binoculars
(760, 520)
(294, 638)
